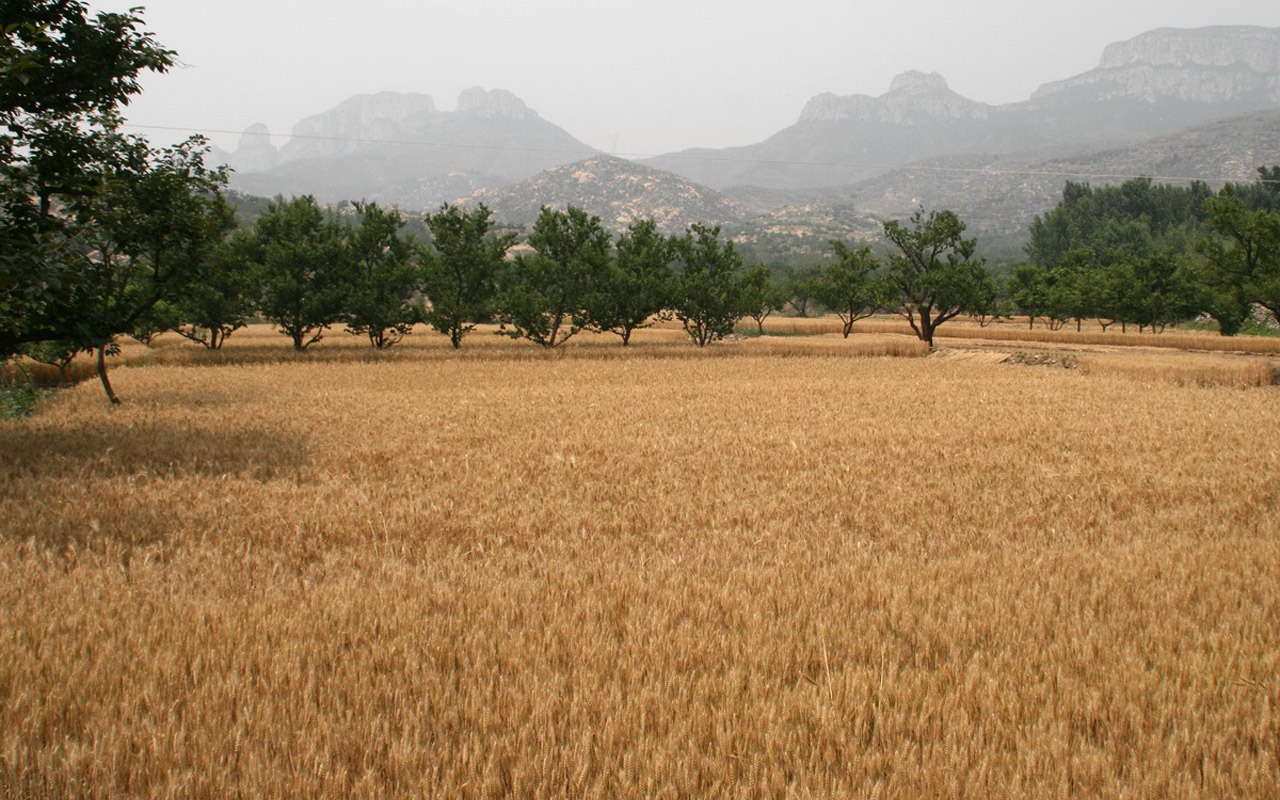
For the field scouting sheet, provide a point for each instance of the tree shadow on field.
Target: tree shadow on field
(150, 449)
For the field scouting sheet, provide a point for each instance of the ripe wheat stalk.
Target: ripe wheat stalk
(661, 573)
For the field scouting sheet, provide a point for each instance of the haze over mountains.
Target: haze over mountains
(1172, 104)
(398, 148)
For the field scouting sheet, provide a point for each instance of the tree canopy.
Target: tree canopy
(63, 77)
(548, 294)
(96, 227)
(934, 270)
(1242, 256)
(461, 271)
(385, 273)
(304, 270)
(852, 286)
(706, 294)
(636, 286)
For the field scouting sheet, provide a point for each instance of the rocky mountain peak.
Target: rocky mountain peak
(499, 103)
(353, 123)
(1218, 46)
(254, 150)
(913, 98)
(399, 148)
(1221, 64)
(916, 82)
(253, 136)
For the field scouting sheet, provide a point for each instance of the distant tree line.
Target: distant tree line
(1151, 255)
(1138, 254)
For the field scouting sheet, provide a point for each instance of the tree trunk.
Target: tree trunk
(926, 330)
(102, 376)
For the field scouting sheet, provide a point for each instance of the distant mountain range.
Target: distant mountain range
(397, 148)
(1172, 104)
(1155, 83)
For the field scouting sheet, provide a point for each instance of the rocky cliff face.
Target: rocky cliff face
(399, 148)
(1206, 65)
(1153, 84)
(1219, 46)
(367, 119)
(254, 152)
(495, 103)
(356, 121)
(913, 98)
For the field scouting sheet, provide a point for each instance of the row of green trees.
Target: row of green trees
(1120, 254)
(305, 270)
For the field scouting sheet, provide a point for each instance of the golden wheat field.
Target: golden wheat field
(786, 568)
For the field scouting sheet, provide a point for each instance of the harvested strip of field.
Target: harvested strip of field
(641, 577)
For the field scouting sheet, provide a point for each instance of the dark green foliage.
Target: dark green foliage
(933, 270)
(706, 295)
(150, 217)
(224, 294)
(761, 294)
(546, 297)
(1263, 194)
(985, 304)
(302, 258)
(386, 278)
(1120, 254)
(18, 393)
(1056, 295)
(57, 61)
(1026, 289)
(636, 286)
(161, 317)
(1242, 256)
(63, 74)
(852, 286)
(96, 228)
(462, 269)
(802, 281)
(55, 354)
(1134, 219)
(1152, 292)
(153, 216)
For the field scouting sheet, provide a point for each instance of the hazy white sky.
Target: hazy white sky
(637, 78)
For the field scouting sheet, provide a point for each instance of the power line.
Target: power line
(710, 158)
